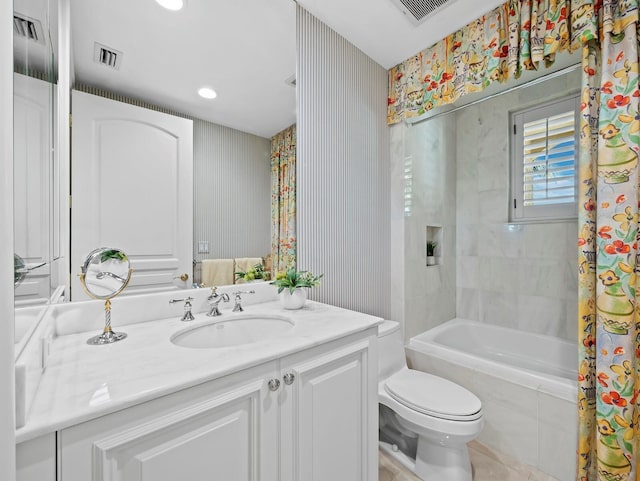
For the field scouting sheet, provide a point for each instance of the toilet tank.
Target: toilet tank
(391, 356)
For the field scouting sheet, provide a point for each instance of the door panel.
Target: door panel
(132, 176)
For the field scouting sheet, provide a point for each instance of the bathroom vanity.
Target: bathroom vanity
(298, 405)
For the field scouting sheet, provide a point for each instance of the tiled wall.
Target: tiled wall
(423, 172)
(520, 276)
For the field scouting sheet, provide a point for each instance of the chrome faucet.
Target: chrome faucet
(238, 306)
(214, 299)
(187, 316)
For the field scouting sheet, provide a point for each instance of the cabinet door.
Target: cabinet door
(227, 437)
(329, 413)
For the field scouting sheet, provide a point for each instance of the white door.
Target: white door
(329, 425)
(131, 187)
(32, 144)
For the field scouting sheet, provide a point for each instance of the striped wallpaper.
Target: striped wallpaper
(231, 186)
(343, 169)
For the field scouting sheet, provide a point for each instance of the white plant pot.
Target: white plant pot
(431, 260)
(293, 301)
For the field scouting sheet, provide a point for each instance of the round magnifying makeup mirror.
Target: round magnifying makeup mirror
(105, 274)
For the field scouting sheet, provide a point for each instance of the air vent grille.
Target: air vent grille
(107, 56)
(27, 28)
(417, 11)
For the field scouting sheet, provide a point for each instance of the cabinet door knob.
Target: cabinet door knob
(274, 384)
(288, 378)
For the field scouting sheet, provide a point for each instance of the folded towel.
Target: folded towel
(243, 264)
(217, 272)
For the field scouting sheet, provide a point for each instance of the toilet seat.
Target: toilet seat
(433, 396)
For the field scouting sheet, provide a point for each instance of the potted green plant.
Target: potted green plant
(431, 253)
(256, 273)
(290, 284)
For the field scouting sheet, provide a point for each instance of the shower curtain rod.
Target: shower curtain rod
(535, 81)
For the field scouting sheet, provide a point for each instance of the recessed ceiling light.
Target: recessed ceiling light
(207, 93)
(171, 4)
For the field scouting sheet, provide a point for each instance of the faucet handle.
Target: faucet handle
(238, 306)
(237, 293)
(187, 316)
(187, 300)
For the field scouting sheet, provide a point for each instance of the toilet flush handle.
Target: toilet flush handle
(288, 378)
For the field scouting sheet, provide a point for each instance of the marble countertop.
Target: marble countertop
(83, 382)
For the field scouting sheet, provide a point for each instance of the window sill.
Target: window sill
(542, 221)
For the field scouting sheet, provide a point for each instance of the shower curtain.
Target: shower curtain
(283, 200)
(524, 34)
(609, 367)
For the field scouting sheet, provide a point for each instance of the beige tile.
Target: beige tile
(487, 464)
(391, 470)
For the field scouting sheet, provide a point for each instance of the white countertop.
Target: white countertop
(82, 382)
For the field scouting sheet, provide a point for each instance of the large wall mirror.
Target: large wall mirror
(143, 54)
(36, 187)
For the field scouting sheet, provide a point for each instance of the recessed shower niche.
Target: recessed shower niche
(433, 245)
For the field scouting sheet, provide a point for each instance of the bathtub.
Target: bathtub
(527, 384)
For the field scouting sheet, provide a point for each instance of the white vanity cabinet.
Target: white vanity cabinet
(224, 429)
(316, 421)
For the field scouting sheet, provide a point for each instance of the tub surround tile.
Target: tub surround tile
(493, 206)
(498, 308)
(557, 446)
(541, 315)
(467, 303)
(545, 240)
(466, 240)
(542, 277)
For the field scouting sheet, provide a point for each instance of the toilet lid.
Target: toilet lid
(433, 395)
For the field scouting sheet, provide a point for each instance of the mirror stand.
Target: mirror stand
(107, 336)
(106, 272)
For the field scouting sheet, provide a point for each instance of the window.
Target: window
(543, 161)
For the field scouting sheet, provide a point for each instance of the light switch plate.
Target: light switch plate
(203, 247)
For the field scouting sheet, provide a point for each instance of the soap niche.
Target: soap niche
(434, 245)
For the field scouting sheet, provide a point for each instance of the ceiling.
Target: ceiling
(243, 49)
(381, 30)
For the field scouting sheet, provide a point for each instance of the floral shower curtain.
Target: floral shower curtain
(283, 200)
(521, 34)
(609, 369)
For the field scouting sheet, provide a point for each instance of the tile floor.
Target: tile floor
(488, 465)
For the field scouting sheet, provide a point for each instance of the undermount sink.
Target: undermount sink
(235, 331)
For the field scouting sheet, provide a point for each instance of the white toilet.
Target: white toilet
(422, 416)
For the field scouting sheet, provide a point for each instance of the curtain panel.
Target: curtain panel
(283, 200)
(518, 35)
(527, 34)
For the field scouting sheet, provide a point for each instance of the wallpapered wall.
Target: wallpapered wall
(343, 169)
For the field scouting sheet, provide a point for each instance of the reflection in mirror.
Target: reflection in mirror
(19, 270)
(106, 272)
(35, 34)
(246, 58)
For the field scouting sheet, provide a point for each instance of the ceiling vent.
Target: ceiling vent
(107, 56)
(27, 28)
(417, 11)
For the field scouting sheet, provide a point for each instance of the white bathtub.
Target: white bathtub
(527, 383)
